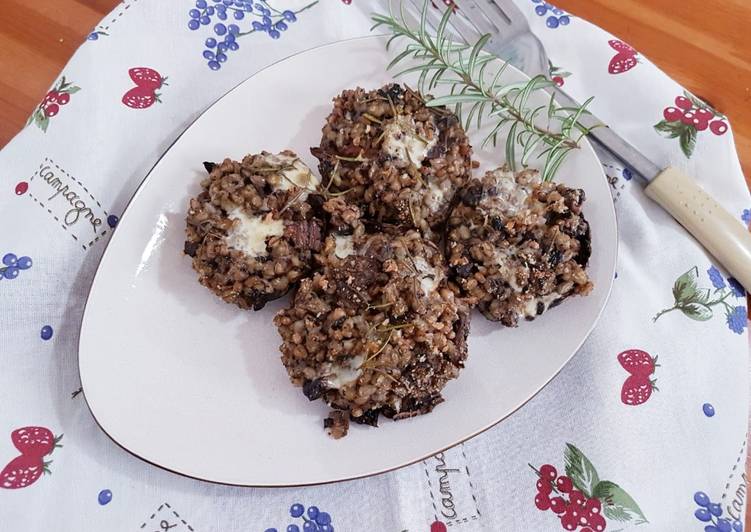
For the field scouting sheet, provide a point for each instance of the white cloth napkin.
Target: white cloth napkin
(662, 465)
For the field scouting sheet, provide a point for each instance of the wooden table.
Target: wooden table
(703, 44)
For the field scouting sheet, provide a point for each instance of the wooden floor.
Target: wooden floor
(703, 44)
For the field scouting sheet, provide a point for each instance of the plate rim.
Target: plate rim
(611, 208)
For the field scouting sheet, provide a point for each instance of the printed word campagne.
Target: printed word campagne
(79, 210)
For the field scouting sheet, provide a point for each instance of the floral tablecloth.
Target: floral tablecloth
(644, 430)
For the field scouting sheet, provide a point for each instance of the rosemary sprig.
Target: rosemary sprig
(385, 374)
(377, 307)
(473, 77)
(380, 350)
(358, 159)
(372, 118)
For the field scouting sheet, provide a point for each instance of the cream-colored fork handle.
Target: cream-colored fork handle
(720, 232)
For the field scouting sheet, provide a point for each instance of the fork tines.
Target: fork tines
(458, 24)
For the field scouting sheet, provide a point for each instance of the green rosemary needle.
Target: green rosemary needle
(477, 91)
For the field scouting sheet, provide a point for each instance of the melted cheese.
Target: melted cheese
(299, 175)
(343, 247)
(341, 376)
(401, 141)
(439, 194)
(249, 233)
(504, 258)
(512, 196)
(429, 277)
(530, 307)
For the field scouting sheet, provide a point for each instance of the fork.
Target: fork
(512, 40)
(675, 191)
(511, 37)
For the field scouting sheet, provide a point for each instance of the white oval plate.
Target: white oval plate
(196, 386)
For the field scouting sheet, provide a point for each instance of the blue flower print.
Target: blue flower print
(746, 216)
(11, 266)
(716, 277)
(737, 319)
(736, 287)
(557, 17)
(231, 20)
(711, 513)
(719, 283)
(314, 520)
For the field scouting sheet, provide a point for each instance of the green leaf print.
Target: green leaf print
(581, 485)
(684, 289)
(671, 129)
(41, 120)
(698, 303)
(697, 311)
(688, 140)
(703, 296)
(580, 470)
(617, 504)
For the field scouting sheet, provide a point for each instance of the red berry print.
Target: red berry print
(636, 390)
(542, 501)
(700, 125)
(718, 127)
(597, 522)
(689, 117)
(147, 77)
(21, 472)
(34, 443)
(621, 63)
(139, 98)
(548, 472)
(437, 526)
(557, 74)
(581, 493)
(593, 506)
(577, 497)
(683, 102)
(544, 486)
(672, 114)
(21, 188)
(557, 505)
(624, 60)
(144, 94)
(50, 104)
(638, 386)
(569, 521)
(704, 114)
(637, 362)
(346, 2)
(564, 484)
